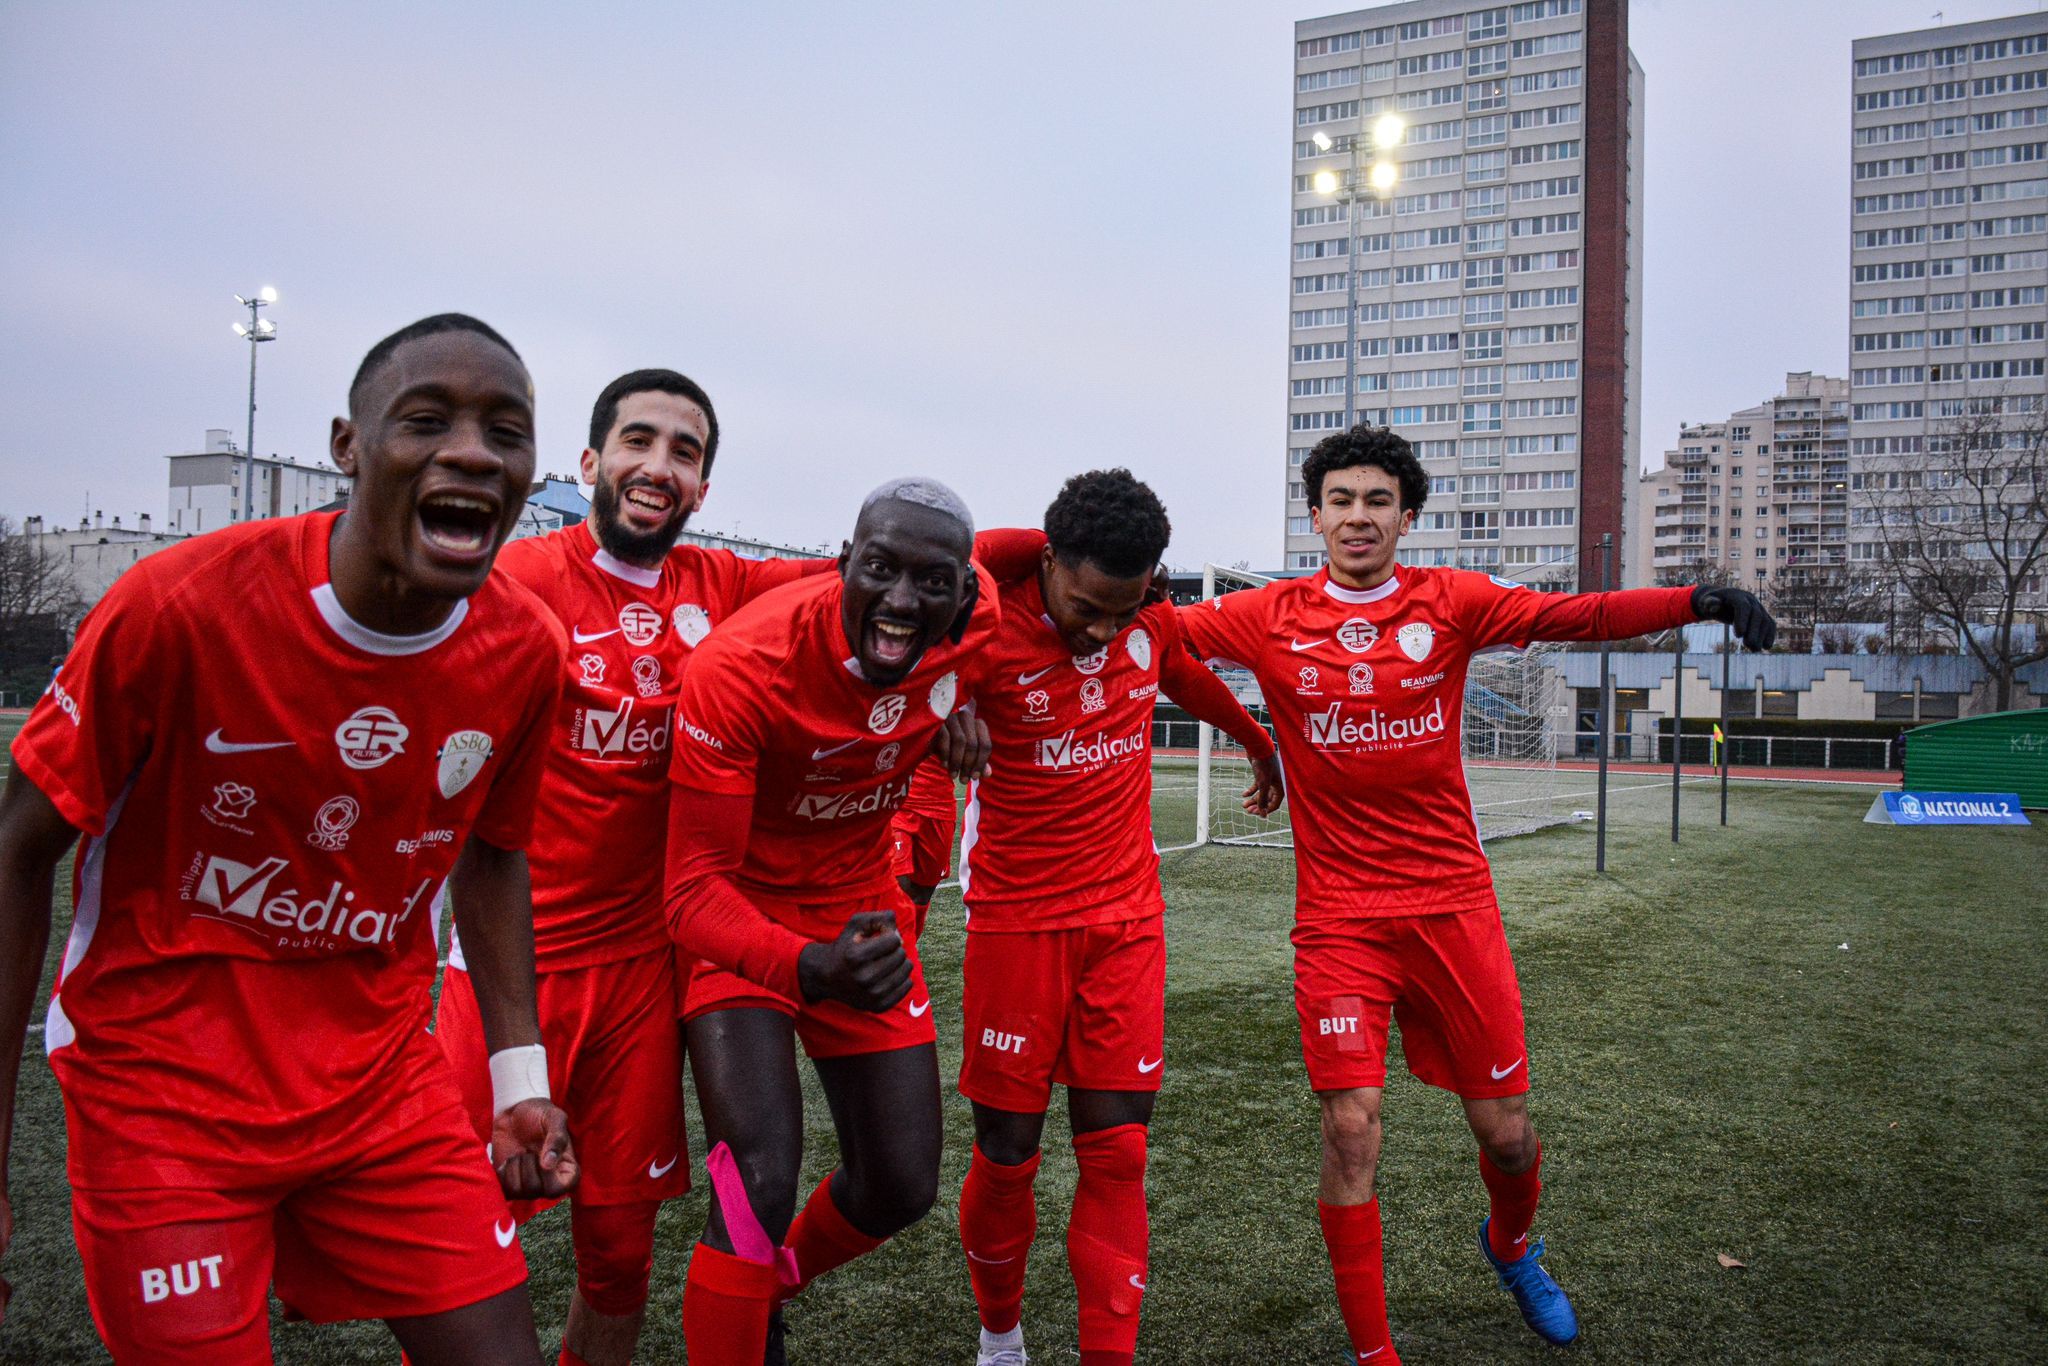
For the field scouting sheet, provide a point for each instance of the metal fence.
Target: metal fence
(1859, 752)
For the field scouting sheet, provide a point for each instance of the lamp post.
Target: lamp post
(1381, 179)
(257, 329)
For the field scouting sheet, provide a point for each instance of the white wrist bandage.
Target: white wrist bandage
(518, 1074)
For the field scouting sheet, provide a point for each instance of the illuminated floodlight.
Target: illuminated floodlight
(1325, 183)
(1383, 176)
(241, 330)
(1387, 130)
(268, 294)
(1321, 140)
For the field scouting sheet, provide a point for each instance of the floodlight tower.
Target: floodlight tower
(257, 329)
(1387, 132)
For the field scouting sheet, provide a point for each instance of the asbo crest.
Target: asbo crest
(1415, 640)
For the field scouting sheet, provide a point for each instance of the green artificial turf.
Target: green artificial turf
(1716, 1074)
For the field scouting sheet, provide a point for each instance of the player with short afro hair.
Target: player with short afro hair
(1365, 444)
(1111, 519)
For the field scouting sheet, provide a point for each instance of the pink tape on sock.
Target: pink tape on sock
(750, 1242)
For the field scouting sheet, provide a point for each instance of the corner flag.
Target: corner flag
(1719, 741)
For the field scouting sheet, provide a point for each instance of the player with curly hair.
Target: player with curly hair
(1066, 950)
(1363, 667)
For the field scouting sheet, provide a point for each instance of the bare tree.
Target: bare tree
(39, 604)
(1809, 599)
(1962, 532)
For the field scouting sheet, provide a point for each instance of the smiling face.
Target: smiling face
(439, 441)
(649, 478)
(905, 576)
(1361, 520)
(1088, 605)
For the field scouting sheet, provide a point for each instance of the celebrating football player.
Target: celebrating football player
(279, 740)
(1363, 667)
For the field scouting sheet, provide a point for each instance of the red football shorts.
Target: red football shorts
(923, 847)
(1448, 980)
(828, 1029)
(411, 1222)
(1083, 1007)
(615, 1066)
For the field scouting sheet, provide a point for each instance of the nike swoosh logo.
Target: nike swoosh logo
(657, 1172)
(818, 754)
(1026, 680)
(1135, 1281)
(917, 1012)
(1499, 1072)
(989, 1261)
(1308, 644)
(506, 1233)
(1152, 1066)
(219, 746)
(1368, 1356)
(581, 639)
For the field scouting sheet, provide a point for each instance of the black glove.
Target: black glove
(1754, 627)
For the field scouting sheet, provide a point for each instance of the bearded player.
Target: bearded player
(1066, 943)
(1363, 667)
(797, 730)
(635, 605)
(279, 740)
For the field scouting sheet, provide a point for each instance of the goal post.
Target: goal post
(1515, 717)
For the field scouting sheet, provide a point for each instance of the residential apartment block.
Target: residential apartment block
(1949, 243)
(1496, 282)
(1763, 495)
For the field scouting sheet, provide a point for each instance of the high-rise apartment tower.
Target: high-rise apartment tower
(1496, 282)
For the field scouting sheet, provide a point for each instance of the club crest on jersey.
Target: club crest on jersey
(1140, 646)
(1038, 701)
(1361, 677)
(462, 757)
(1091, 695)
(1092, 663)
(332, 822)
(639, 623)
(647, 675)
(370, 737)
(1358, 635)
(1415, 640)
(593, 669)
(886, 758)
(887, 711)
(944, 694)
(692, 623)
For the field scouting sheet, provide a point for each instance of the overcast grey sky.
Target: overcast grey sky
(996, 243)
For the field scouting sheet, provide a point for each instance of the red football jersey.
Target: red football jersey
(603, 812)
(1366, 690)
(773, 707)
(1059, 834)
(932, 793)
(273, 796)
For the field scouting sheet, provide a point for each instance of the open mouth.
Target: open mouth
(650, 503)
(890, 643)
(459, 526)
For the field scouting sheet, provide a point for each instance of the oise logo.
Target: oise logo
(332, 822)
(1358, 635)
(887, 711)
(1140, 646)
(639, 623)
(886, 758)
(647, 675)
(461, 759)
(1361, 677)
(370, 737)
(1415, 640)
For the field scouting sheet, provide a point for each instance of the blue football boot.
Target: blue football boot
(1542, 1301)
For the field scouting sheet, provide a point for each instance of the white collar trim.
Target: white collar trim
(376, 642)
(619, 569)
(1362, 595)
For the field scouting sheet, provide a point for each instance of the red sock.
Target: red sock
(726, 1303)
(569, 1358)
(822, 1239)
(1514, 1206)
(1108, 1238)
(1352, 1235)
(998, 1220)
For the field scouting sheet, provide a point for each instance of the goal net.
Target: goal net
(1514, 723)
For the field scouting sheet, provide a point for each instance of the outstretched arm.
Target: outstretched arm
(1205, 697)
(494, 915)
(33, 838)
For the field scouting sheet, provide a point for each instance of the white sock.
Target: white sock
(1013, 1338)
